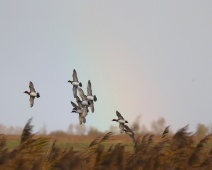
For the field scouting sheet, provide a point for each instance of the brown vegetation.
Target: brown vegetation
(164, 152)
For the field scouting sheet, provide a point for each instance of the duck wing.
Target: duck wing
(81, 93)
(75, 79)
(31, 100)
(119, 115)
(91, 106)
(128, 129)
(74, 90)
(31, 87)
(89, 90)
(79, 102)
(74, 105)
(121, 127)
(84, 111)
(84, 120)
(80, 119)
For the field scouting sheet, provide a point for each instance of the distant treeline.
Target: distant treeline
(156, 128)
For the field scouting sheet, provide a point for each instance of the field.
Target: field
(79, 143)
(182, 150)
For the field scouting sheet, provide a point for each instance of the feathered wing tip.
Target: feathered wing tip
(80, 84)
(27, 131)
(84, 120)
(38, 94)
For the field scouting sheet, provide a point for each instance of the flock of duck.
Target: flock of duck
(86, 101)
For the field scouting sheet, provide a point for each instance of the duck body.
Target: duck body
(85, 103)
(75, 83)
(33, 94)
(90, 98)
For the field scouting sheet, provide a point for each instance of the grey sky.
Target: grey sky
(150, 58)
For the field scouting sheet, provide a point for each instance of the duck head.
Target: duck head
(115, 120)
(70, 81)
(38, 95)
(95, 98)
(126, 121)
(27, 92)
(80, 84)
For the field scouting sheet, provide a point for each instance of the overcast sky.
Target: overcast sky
(146, 58)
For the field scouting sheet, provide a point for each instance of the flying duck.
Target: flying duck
(129, 132)
(91, 97)
(32, 93)
(76, 109)
(81, 111)
(120, 118)
(75, 83)
(121, 121)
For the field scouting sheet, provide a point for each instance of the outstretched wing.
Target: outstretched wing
(75, 79)
(79, 102)
(119, 115)
(31, 87)
(84, 111)
(81, 119)
(31, 100)
(74, 90)
(81, 93)
(84, 120)
(121, 127)
(73, 104)
(89, 91)
(128, 129)
(91, 106)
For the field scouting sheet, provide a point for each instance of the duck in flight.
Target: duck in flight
(121, 121)
(91, 97)
(75, 83)
(32, 93)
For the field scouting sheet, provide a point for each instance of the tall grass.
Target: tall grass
(180, 151)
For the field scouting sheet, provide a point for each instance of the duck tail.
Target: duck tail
(80, 84)
(38, 95)
(95, 98)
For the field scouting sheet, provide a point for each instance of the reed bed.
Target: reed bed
(180, 151)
